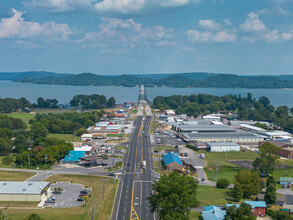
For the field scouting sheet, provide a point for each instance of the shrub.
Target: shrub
(7, 160)
(223, 183)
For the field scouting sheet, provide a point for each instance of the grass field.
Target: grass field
(117, 166)
(15, 175)
(153, 126)
(118, 135)
(163, 148)
(134, 111)
(194, 215)
(124, 140)
(144, 112)
(209, 195)
(102, 206)
(66, 137)
(120, 147)
(23, 116)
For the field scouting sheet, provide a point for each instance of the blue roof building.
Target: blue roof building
(170, 158)
(213, 213)
(172, 162)
(73, 156)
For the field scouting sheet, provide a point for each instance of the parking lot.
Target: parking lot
(169, 139)
(68, 197)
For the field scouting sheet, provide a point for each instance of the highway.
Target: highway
(136, 181)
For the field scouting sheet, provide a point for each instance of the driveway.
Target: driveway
(68, 197)
(193, 158)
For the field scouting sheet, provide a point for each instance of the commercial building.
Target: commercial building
(172, 162)
(277, 135)
(170, 112)
(251, 128)
(237, 123)
(24, 191)
(286, 152)
(212, 117)
(202, 128)
(87, 149)
(200, 146)
(222, 146)
(73, 157)
(237, 137)
(86, 137)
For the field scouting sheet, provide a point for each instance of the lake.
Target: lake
(123, 94)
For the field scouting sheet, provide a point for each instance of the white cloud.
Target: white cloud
(17, 27)
(118, 8)
(25, 44)
(272, 36)
(206, 36)
(224, 36)
(277, 10)
(59, 5)
(128, 33)
(253, 23)
(227, 22)
(287, 36)
(209, 24)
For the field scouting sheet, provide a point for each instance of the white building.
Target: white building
(24, 191)
(251, 128)
(170, 112)
(223, 146)
(275, 135)
(212, 117)
(86, 137)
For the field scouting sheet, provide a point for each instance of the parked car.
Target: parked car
(82, 195)
(50, 200)
(111, 174)
(79, 199)
(203, 179)
(84, 192)
(56, 192)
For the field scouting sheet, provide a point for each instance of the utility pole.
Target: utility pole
(216, 170)
(28, 161)
(46, 157)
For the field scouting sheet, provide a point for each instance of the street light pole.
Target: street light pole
(46, 157)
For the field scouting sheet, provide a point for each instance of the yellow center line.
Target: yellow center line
(133, 214)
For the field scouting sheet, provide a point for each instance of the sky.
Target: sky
(147, 36)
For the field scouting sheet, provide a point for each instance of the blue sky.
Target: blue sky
(147, 36)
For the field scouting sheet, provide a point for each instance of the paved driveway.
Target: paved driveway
(68, 197)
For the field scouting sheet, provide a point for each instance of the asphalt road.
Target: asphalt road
(131, 201)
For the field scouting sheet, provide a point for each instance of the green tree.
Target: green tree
(7, 160)
(270, 181)
(249, 182)
(34, 216)
(267, 159)
(111, 102)
(279, 215)
(270, 195)
(80, 132)
(5, 146)
(237, 192)
(174, 196)
(244, 212)
(223, 183)
(38, 130)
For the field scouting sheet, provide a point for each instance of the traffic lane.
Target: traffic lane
(125, 199)
(147, 190)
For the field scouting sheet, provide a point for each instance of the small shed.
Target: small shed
(286, 181)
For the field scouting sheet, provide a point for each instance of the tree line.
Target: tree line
(245, 108)
(8, 105)
(173, 80)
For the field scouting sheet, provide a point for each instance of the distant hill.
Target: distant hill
(33, 74)
(198, 80)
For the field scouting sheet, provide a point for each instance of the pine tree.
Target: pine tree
(237, 192)
(270, 195)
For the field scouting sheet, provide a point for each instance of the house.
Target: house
(286, 181)
(213, 213)
(24, 191)
(172, 162)
(258, 207)
(280, 200)
(27, 110)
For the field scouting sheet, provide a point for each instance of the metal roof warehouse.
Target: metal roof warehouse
(238, 137)
(203, 128)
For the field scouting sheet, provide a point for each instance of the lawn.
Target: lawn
(102, 206)
(134, 111)
(163, 148)
(209, 195)
(66, 137)
(123, 140)
(153, 126)
(120, 147)
(117, 166)
(52, 110)
(194, 215)
(118, 135)
(23, 116)
(144, 112)
(15, 175)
